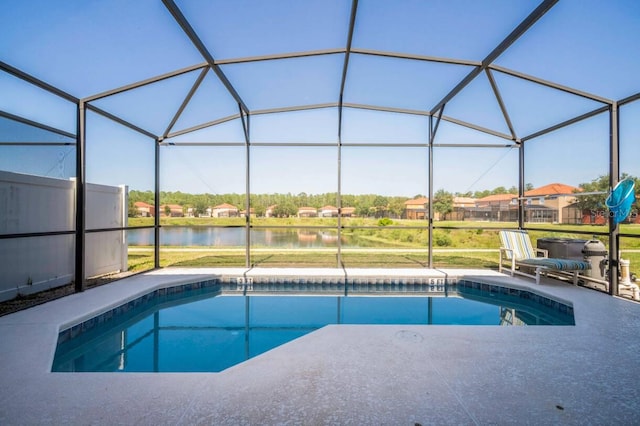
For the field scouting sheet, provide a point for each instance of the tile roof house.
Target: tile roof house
(461, 209)
(328, 211)
(171, 210)
(501, 200)
(307, 212)
(542, 204)
(347, 211)
(224, 210)
(269, 212)
(552, 189)
(252, 212)
(546, 203)
(497, 207)
(144, 209)
(464, 202)
(417, 208)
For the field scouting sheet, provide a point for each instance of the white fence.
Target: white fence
(31, 204)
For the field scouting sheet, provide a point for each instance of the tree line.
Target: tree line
(287, 204)
(365, 205)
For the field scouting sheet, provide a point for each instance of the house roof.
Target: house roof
(307, 208)
(348, 209)
(142, 204)
(172, 206)
(552, 189)
(328, 208)
(417, 201)
(497, 197)
(225, 206)
(464, 200)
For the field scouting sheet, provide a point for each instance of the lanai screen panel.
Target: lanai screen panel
(350, 79)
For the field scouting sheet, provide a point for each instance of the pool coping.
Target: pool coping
(554, 364)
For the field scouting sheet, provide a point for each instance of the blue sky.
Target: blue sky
(86, 47)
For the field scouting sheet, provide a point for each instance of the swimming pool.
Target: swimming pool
(212, 325)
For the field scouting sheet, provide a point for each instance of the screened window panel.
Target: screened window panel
(117, 155)
(571, 155)
(227, 131)
(152, 106)
(400, 83)
(629, 137)
(287, 82)
(533, 107)
(582, 60)
(253, 27)
(435, 28)
(364, 126)
(298, 127)
(42, 106)
(121, 42)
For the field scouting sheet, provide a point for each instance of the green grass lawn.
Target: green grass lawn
(139, 261)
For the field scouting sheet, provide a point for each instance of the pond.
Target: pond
(235, 237)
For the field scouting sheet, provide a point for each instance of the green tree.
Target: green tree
(443, 202)
(381, 204)
(363, 209)
(131, 209)
(200, 207)
(259, 210)
(481, 194)
(596, 193)
(396, 206)
(285, 209)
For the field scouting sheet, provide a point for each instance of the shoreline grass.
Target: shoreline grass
(374, 246)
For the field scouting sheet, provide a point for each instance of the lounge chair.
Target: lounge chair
(517, 250)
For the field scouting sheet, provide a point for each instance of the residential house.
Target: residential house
(464, 202)
(171, 210)
(417, 208)
(144, 209)
(252, 212)
(270, 211)
(496, 207)
(548, 203)
(224, 210)
(347, 211)
(328, 211)
(307, 212)
(462, 208)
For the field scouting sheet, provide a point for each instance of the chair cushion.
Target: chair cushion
(519, 242)
(557, 264)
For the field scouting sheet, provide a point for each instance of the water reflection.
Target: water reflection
(234, 237)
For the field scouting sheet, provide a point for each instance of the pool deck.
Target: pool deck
(344, 374)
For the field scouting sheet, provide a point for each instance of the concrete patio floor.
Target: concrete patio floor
(344, 374)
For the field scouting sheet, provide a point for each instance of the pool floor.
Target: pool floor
(216, 333)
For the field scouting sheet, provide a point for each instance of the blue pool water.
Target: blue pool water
(207, 330)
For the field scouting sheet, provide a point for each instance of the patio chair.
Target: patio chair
(517, 250)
